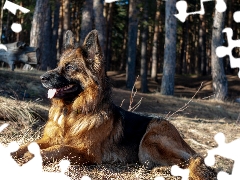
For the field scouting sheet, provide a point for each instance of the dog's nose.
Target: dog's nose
(44, 77)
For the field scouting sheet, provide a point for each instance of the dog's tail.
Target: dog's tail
(198, 170)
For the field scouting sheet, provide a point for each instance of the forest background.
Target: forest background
(139, 37)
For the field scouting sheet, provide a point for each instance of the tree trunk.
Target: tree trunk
(124, 50)
(60, 30)
(78, 14)
(132, 43)
(1, 19)
(184, 42)
(99, 22)
(109, 35)
(167, 86)
(202, 46)
(7, 29)
(39, 31)
(38, 22)
(46, 60)
(230, 23)
(220, 84)
(55, 34)
(87, 23)
(144, 42)
(155, 39)
(66, 15)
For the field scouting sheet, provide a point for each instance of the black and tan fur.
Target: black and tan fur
(87, 128)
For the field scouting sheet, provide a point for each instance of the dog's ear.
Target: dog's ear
(91, 44)
(68, 40)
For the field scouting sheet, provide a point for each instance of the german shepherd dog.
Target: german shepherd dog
(86, 127)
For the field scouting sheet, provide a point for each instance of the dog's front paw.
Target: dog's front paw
(22, 155)
(24, 159)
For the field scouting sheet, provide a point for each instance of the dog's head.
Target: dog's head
(78, 68)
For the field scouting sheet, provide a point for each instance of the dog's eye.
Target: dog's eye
(69, 67)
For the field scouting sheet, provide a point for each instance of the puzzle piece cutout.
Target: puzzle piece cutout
(236, 16)
(12, 7)
(159, 178)
(228, 150)
(222, 51)
(2, 46)
(11, 170)
(85, 178)
(182, 9)
(110, 1)
(177, 171)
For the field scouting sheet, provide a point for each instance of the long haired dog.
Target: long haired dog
(85, 126)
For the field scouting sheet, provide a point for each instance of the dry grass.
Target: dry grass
(25, 120)
(198, 123)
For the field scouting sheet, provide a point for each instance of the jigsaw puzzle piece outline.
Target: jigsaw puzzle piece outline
(12, 7)
(159, 178)
(236, 16)
(177, 171)
(222, 51)
(10, 169)
(221, 6)
(223, 176)
(182, 5)
(227, 150)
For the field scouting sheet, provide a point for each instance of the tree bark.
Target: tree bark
(46, 59)
(100, 24)
(39, 35)
(144, 42)
(202, 46)
(167, 86)
(155, 39)
(60, 30)
(124, 49)
(66, 15)
(1, 19)
(109, 35)
(55, 34)
(87, 21)
(220, 83)
(38, 22)
(184, 42)
(132, 43)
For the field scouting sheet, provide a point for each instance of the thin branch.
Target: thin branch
(137, 105)
(208, 97)
(122, 102)
(133, 94)
(186, 105)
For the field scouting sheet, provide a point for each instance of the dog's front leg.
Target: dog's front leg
(22, 155)
(20, 152)
(74, 155)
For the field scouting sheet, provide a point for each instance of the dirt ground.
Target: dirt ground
(197, 119)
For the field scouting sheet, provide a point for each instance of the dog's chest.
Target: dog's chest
(59, 119)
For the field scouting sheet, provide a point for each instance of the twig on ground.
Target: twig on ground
(15, 95)
(136, 105)
(122, 102)
(38, 100)
(133, 94)
(208, 97)
(186, 105)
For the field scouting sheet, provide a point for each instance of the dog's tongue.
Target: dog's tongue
(51, 93)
